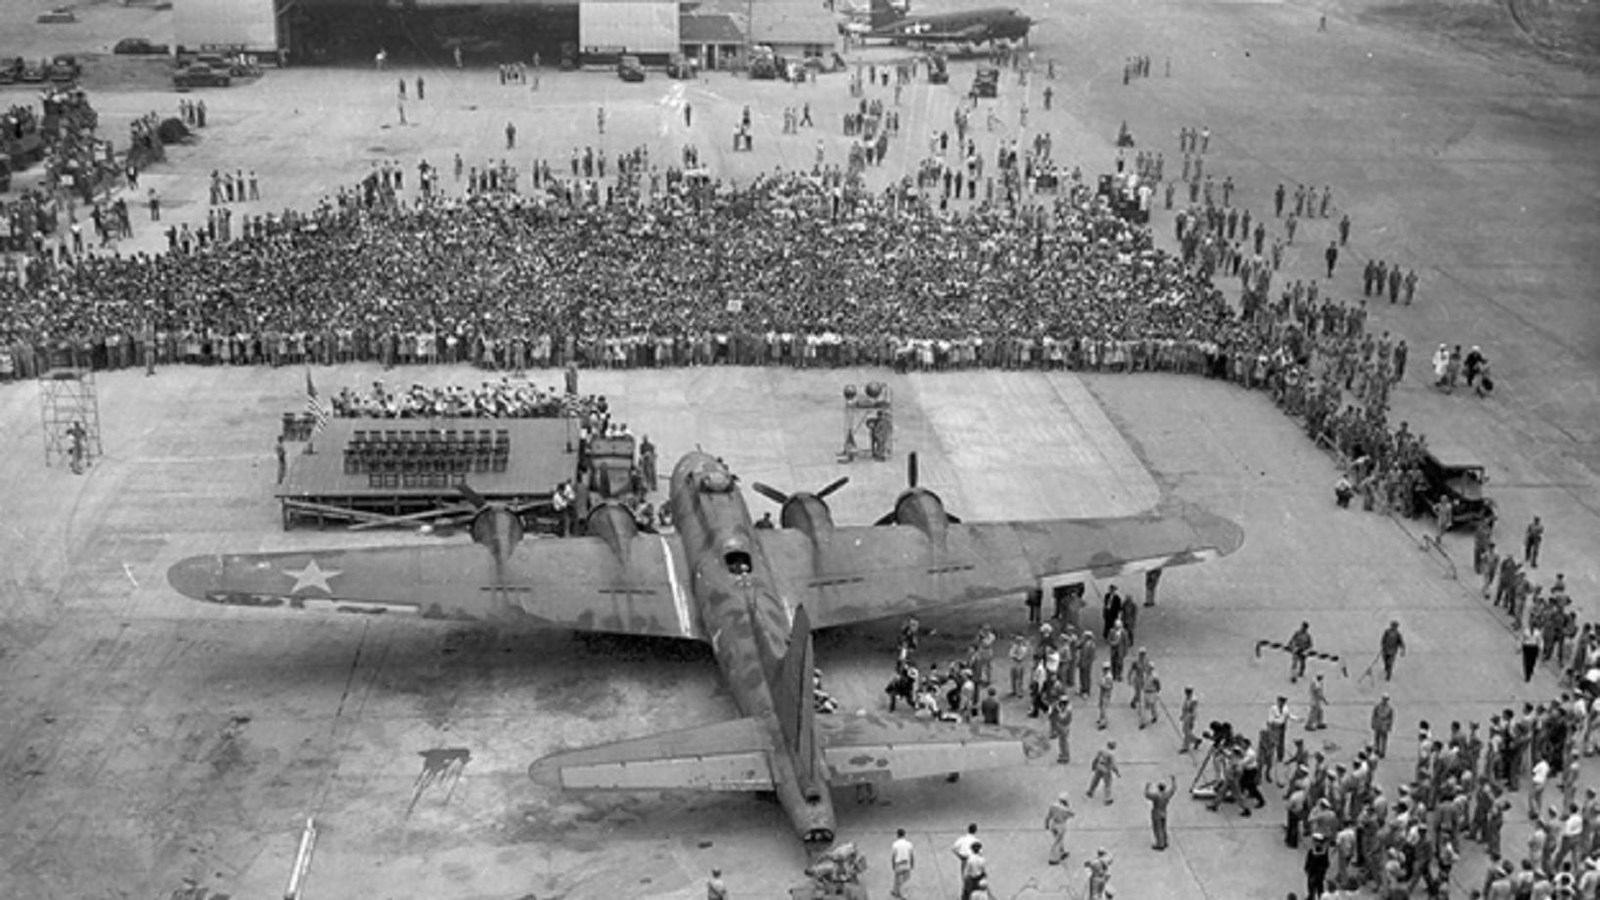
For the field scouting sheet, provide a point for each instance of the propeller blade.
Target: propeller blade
(771, 493)
(837, 483)
(911, 469)
(954, 520)
(886, 520)
(473, 497)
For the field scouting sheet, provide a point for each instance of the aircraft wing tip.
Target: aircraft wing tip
(195, 577)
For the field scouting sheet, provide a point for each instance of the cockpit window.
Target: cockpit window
(737, 561)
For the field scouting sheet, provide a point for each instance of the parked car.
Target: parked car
(11, 69)
(35, 72)
(630, 69)
(138, 46)
(200, 75)
(680, 66)
(65, 69)
(1452, 474)
(59, 16)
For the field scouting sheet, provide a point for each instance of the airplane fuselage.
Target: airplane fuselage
(749, 623)
(989, 24)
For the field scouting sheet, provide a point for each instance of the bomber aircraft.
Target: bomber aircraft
(969, 27)
(754, 594)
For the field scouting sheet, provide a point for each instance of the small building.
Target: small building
(794, 27)
(714, 40)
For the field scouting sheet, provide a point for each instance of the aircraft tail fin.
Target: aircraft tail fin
(883, 14)
(794, 698)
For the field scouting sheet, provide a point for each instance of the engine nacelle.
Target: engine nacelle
(922, 509)
(614, 524)
(497, 528)
(809, 514)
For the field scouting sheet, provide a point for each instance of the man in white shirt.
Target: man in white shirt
(1541, 774)
(962, 848)
(902, 859)
(974, 870)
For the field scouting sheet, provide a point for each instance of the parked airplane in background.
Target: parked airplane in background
(971, 27)
(754, 594)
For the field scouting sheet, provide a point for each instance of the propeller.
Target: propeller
(472, 496)
(893, 516)
(780, 498)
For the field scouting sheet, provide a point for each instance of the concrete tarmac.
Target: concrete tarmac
(149, 743)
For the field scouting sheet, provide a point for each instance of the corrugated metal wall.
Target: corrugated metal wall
(631, 26)
(225, 24)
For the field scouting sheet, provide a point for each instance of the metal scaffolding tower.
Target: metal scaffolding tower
(69, 412)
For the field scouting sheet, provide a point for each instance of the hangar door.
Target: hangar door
(628, 26)
(225, 25)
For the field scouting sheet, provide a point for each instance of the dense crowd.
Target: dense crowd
(491, 399)
(511, 283)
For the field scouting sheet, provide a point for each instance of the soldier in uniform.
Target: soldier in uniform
(1018, 654)
(1104, 770)
(1390, 646)
(1186, 719)
(1061, 726)
(1319, 702)
(1299, 645)
(1382, 724)
(1106, 683)
(1055, 822)
(1099, 874)
(80, 446)
(1160, 794)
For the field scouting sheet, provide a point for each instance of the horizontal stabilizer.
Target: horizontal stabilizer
(725, 756)
(873, 748)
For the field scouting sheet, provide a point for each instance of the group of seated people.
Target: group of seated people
(504, 399)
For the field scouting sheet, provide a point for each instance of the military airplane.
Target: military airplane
(963, 27)
(754, 594)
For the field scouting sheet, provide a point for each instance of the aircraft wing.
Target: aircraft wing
(859, 573)
(576, 583)
(725, 756)
(874, 748)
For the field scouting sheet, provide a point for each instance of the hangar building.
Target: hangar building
(567, 32)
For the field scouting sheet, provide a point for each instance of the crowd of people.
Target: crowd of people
(507, 283)
(504, 399)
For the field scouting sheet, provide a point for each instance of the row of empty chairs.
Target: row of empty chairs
(416, 479)
(402, 451)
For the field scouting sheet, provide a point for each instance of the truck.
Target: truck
(986, 84)
(765, 63)
(1452, 474)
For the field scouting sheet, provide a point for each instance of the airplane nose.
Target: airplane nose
(196, 577)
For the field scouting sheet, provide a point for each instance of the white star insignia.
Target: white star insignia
(312, 575)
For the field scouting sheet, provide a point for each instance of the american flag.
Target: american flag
(314, 404)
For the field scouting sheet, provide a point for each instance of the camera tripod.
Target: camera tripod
(1212, 776)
